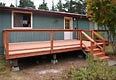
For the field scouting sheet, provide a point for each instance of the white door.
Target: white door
(68, 25)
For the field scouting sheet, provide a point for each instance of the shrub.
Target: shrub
(96, 70)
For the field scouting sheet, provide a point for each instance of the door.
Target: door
(68, 25)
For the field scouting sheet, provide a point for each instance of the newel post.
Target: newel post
(51, 40)
(6, 46)
(81, 39)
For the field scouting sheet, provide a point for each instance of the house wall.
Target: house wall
(40, 21)
(83, 24)
(80, 24)
(5, 22)
(43, 21)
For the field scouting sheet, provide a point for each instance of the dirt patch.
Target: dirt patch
(42, 69)
(48, 71)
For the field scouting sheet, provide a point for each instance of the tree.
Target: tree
(26, 3)
(75, 6)
(11, 5)
(60, 6)
(53, 7)
(43, 6)
(2, 4)
(103, 12)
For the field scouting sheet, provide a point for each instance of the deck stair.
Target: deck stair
(97, 48)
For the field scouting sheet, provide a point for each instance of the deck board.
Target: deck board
(25, 49)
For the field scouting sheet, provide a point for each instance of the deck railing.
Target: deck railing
(80, 33)
(93, 34)
(51, 31)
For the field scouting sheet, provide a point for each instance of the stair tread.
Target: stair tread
(104, 57)
(99, 42)
(95, 49)
(100, 53)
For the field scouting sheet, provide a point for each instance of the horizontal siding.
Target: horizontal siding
(5, 22)
(40, 22)
(83, 24)
(1, 50)
(28, 36)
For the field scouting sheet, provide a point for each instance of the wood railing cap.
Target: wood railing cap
(46, 30)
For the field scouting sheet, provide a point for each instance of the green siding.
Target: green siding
(83, 24)
(40, 22)
(5, 22)
(49, 22)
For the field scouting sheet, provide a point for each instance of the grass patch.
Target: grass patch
(3, 68)
(109, 48)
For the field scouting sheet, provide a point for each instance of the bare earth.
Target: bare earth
(45, 70)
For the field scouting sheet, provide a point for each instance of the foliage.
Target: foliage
(26, 3)
(96, 70)
(11, 5)
(75, 6)
(53, 7)
(3, 68)
(104, 13)
(2, 4)
(60, 6)
(43, 6)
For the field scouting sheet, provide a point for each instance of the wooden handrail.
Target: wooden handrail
(88, 37)
(106, 31)
(99, 36)
(41, 30)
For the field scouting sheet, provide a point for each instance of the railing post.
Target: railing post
(81, 39)
(6, 46)
(92, 34)
(51, 40)
(92, 43)
(77, 35)
(104, 45)
(108, 36)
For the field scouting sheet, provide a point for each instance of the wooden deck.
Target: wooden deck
(27, 49)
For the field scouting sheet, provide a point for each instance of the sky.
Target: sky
(36, 2)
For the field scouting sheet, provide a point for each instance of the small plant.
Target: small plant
(96, 70)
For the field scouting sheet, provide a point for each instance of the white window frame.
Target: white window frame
(21, 27)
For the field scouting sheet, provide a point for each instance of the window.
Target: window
(22, 20)
(68, 23)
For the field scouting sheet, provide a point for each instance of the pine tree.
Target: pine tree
(11, 5)
(43, 6)
(53, 7)
(60, 6)
(26, 3)
(2, 4)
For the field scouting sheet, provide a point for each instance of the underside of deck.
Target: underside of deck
(26, 49)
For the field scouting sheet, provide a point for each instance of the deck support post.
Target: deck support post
(14, 65)
(54, 60)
